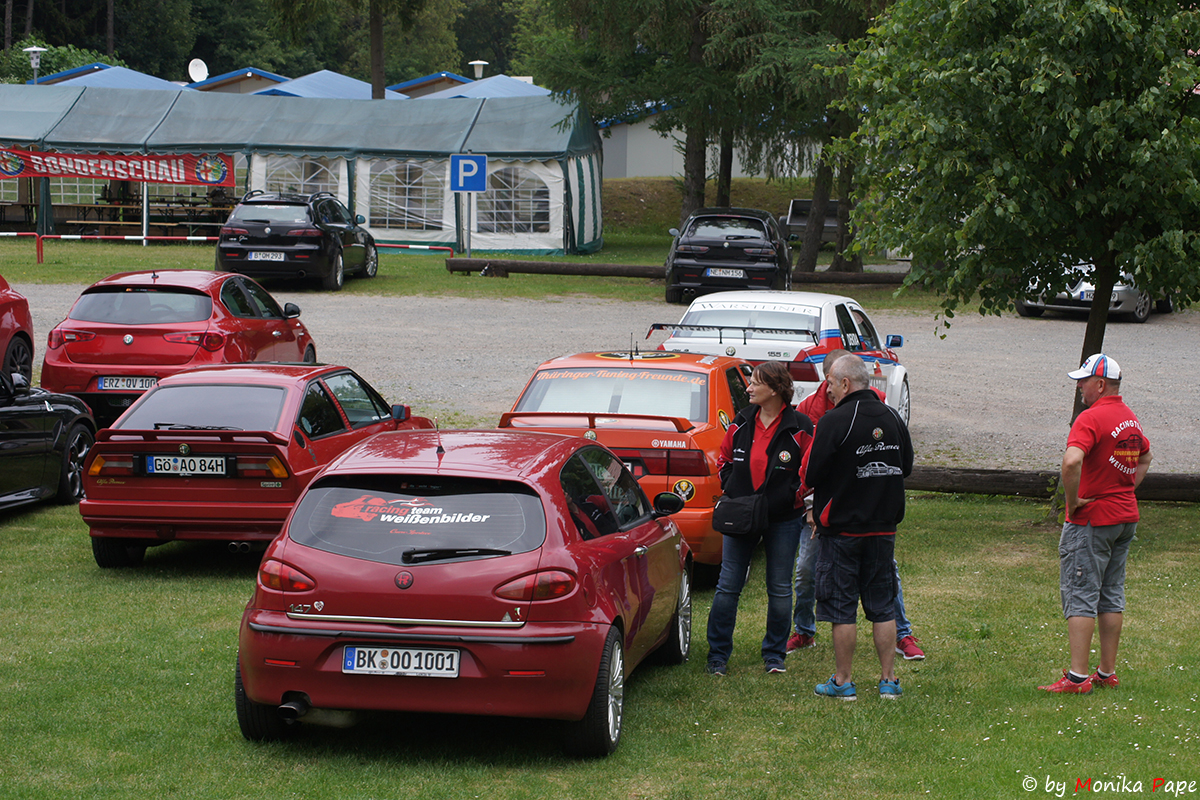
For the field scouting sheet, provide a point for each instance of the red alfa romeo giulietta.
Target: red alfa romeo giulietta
(465, 572)
(128, 331)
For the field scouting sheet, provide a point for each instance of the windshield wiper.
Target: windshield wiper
(175, 426)
(415, 556)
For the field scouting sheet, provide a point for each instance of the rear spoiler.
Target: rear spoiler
(720, 329)
(681, 424)
(118, 434)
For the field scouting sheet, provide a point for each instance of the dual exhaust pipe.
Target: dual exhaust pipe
(239, 547)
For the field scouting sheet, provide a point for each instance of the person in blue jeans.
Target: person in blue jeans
(804, 622)
(761, 454)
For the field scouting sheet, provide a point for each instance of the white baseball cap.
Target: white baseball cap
(1097, 366)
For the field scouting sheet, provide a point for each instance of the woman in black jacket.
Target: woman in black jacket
(762, 452)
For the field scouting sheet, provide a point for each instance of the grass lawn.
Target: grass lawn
(119, 684)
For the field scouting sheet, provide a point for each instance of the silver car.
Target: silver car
(1126, 299)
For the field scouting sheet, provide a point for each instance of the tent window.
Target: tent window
(406, 195)
(10, 190)
(76, 190)
(301, 175)
(517, 201)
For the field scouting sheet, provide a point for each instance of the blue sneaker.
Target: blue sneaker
(715, 667)
(890, 690)
(775, 667)
(831, 689)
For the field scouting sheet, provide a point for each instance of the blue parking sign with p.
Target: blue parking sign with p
(468, 173)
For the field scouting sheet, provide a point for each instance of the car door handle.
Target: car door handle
(641, 550)
(276, 333)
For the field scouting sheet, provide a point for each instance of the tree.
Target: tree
(14, 62)
(1006, 142)
(296, 15)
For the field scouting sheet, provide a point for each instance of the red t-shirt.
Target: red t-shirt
(1112, 441)
(758, 450)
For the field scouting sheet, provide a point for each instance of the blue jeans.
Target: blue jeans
(803, 620)
(779, 544)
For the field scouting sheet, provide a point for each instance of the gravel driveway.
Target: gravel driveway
(992, 393)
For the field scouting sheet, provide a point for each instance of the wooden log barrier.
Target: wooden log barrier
(501, 268)
(1172, 487)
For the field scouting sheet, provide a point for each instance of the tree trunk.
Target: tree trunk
(695, 145)
(111, 35)
(725, 169)
(814, 227)
(28, 17)
(845, 233)
(375, 17)
(8, 9)
(1104, 277)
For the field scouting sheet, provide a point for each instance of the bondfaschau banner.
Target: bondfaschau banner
(202, 170)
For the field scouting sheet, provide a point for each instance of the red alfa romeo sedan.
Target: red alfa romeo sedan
(221, 453)
(16, 332)
(130, 330)
(465, 572)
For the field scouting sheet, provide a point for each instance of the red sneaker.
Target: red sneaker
(1111, 681)
(1068, 686)
(907, 647)
(801, 641)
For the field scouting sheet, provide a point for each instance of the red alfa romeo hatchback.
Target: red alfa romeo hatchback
(129, 330)
(221, 453)
(467, 572)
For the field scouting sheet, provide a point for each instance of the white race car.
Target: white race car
(795, 327)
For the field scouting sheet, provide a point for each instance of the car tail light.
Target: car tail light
(58, 337)
(309, 232)
(665, 462)
(805, 371)
(227, 231)
(276, 575)
(548, 585)
(260, 467)
(760, 251)
(111, 465)
(691, 248)
(209, 341)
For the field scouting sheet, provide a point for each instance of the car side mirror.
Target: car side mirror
(673, 231)
(895, 340)
(20, 383)
(359, 219)
(793, 237)
(290, 310)
(401, 412)
(666, 504)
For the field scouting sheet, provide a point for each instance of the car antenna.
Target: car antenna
(441, 451)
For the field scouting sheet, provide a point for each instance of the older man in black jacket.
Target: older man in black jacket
(861, 454)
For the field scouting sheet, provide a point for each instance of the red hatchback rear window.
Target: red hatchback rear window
(219, 406)
(122, 306)
(414, 520)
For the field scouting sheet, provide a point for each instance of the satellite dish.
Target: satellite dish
(197, 70)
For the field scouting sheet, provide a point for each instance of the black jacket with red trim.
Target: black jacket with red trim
(789, 445)
(860, 456)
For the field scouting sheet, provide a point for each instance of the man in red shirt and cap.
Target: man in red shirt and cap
(1106, 459)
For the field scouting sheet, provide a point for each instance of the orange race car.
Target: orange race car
(664, 414)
